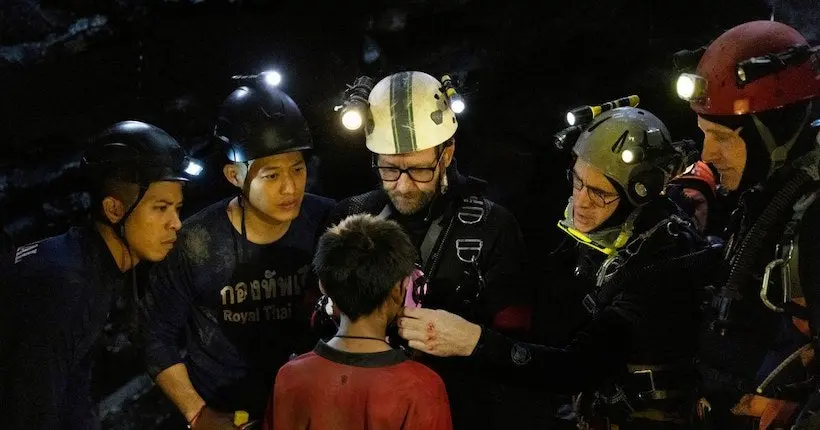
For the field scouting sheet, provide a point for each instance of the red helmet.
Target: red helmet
(725, 92)
(698, 174)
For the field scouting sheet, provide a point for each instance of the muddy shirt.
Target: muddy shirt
(333, 389)
(242, 306)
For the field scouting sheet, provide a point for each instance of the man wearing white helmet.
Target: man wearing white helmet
(470, 248)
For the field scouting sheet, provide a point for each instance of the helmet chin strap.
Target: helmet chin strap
(607, 240)
(778, 154)
(119, 227)
(119, 230)
(243, 192)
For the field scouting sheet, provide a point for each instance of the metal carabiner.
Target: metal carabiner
(764, 290)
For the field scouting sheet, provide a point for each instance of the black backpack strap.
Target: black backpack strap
(431, 238)
(607, 292)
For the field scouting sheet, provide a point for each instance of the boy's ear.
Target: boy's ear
(398, 292)
(322, 288)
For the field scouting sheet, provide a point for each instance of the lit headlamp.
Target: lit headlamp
(456, 101)
(192, 167)
(269, 77)
(355, 106)
(691, 87)
(584, 114)
(580, 117)
(632, 155)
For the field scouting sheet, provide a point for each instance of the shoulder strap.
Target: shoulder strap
(783, 258)
(471, 212)
(614, 285)
(800, 207)
(430, 238)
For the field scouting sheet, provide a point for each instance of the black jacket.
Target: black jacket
(652, 318)
(502, 259)
(740, 347)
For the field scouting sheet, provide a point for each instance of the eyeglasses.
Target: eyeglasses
(598, 197)
(417, 174)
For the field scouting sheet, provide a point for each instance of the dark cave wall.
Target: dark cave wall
(169, 63)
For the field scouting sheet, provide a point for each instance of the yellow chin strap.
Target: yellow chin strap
(582, 238)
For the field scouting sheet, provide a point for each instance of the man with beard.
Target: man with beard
(471, 249)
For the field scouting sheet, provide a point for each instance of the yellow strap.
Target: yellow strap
(586, 240)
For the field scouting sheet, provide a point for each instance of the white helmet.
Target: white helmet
(409, 112)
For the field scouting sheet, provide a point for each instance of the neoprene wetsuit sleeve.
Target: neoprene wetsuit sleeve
(508, 292)
(164, 310)
(598, 350)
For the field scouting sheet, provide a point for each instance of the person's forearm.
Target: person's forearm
(176, 384)
(597, 351)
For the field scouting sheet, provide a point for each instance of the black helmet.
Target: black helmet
(136, 152)
(261, 120)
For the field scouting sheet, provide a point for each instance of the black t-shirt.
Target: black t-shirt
(57, 295)
(243, 306)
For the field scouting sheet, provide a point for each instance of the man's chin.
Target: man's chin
(729, 179)
(283, 216)
(278, 214)
(583, 228)
(407, 209)
(154, 256)
(405, 206)
(731, 185)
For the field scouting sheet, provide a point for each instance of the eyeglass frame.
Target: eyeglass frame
(431, 169)
(592, 192)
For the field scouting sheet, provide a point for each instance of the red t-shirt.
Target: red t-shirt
(332, 389)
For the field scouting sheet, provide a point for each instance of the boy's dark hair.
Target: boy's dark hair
(360, 260)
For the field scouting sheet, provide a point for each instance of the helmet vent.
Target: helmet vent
(619, 144)
(594, 126)
(437, 117)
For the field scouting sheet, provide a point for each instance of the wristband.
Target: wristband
(196, 417)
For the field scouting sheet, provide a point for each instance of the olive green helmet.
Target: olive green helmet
(632, 147)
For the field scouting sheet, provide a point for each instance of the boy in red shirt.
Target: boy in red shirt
(356, 380)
